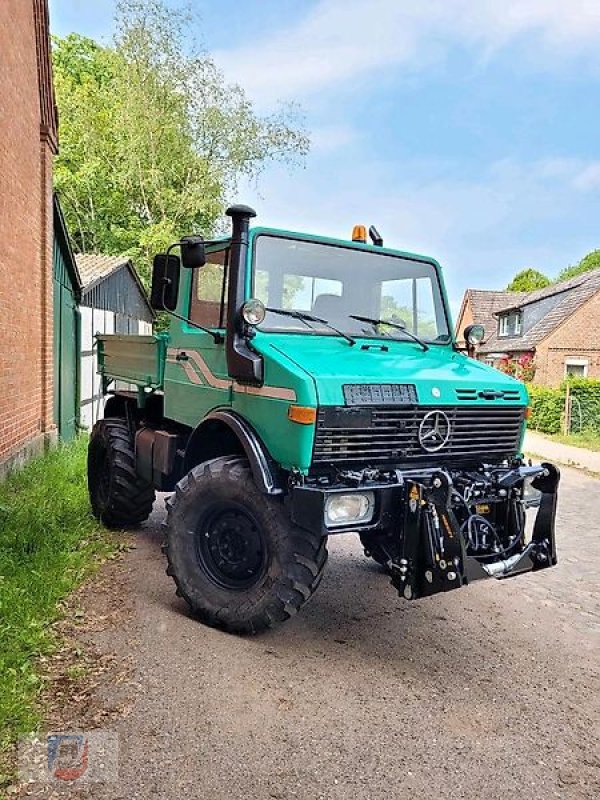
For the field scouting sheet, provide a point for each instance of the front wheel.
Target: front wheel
(236, 558)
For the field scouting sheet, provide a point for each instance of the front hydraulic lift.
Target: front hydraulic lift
(433, 556)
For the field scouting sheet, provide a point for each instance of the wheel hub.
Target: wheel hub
(231, 548)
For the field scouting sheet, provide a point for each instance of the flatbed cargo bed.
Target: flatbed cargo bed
(135, 359)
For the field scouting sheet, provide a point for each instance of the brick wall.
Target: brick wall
(577, 338)
(465, 318)
(26, 151)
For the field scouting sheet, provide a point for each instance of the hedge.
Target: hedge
(547, 406)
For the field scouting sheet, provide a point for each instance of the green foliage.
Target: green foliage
(48, 543)
(547, 406)
(152, 139)
(528, 280)
(587, 263)
(585, 405)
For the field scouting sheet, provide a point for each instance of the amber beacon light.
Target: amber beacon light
(359, 234)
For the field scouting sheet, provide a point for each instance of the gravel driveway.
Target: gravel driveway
(487, 692)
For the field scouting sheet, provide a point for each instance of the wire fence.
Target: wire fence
(582, 408)
(574, 407)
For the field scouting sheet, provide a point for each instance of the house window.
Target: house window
(208, 306)
(510, 324)
(576, 368)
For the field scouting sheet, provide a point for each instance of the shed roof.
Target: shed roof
(95, 268)
(63, 242)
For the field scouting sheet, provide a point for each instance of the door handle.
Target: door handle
(182, 357)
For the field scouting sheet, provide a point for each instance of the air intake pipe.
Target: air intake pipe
(243, 364)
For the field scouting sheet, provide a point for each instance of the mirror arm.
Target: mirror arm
(218, 337)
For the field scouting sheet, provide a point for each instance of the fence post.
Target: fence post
(567, 414)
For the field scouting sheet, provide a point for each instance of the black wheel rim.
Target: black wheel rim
(231, 547)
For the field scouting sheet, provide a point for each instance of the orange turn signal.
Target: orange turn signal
(528, 412)
(359, 234)
(304, 415)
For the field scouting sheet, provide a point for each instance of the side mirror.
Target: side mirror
(474, 334)
(193, 253)
(165, 282)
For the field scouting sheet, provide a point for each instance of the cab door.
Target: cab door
(196, 377)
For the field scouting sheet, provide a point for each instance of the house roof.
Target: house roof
(570, 296)
(484, 304)
(95, 268)
(521, 299)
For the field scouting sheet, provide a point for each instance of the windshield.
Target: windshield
(333, 283)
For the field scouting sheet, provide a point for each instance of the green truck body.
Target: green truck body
(319, 402)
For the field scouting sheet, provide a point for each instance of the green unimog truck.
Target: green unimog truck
(309, 387)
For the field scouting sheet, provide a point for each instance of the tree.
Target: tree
(153, 140)
(528, 280)
(587, 263)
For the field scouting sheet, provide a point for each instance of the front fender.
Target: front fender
(206, 442)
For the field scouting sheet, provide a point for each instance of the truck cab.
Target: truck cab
(310, 386)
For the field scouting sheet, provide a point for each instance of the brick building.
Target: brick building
(558, 327)
(28, 143)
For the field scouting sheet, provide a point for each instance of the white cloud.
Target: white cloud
(333, 138)
(482, 230)
(587, 178)
(339, 40)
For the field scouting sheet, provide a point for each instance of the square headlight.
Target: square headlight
(349, 509)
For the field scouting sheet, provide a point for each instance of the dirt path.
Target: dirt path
(488, 692)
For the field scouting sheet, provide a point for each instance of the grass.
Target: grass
(587, 439)
(49, 542)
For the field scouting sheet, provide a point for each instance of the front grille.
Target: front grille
(387, 435)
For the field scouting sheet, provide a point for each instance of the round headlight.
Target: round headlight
(253, 311)
(474, 334)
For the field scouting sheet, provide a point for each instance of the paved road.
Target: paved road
(550, 450)
(488, 692)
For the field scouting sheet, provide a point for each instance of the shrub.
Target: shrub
(547, 407)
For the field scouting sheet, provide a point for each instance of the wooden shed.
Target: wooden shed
(113, 300)
(66, 285)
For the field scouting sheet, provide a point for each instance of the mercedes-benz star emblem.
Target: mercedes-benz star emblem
(434, 431)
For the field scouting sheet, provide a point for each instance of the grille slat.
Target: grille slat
(477, 434)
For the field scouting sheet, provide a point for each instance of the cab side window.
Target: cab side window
(208, 305)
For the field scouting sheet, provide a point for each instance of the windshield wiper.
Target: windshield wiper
(396, 325)
(307, 318)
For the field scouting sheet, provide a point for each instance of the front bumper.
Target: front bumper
(419, 515)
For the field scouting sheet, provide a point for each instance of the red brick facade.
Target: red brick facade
(574, 341)
(577, 339)
(27, 147)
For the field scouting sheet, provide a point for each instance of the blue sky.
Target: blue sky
(467, 131)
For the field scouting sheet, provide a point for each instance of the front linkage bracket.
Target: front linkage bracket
(433, 554)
